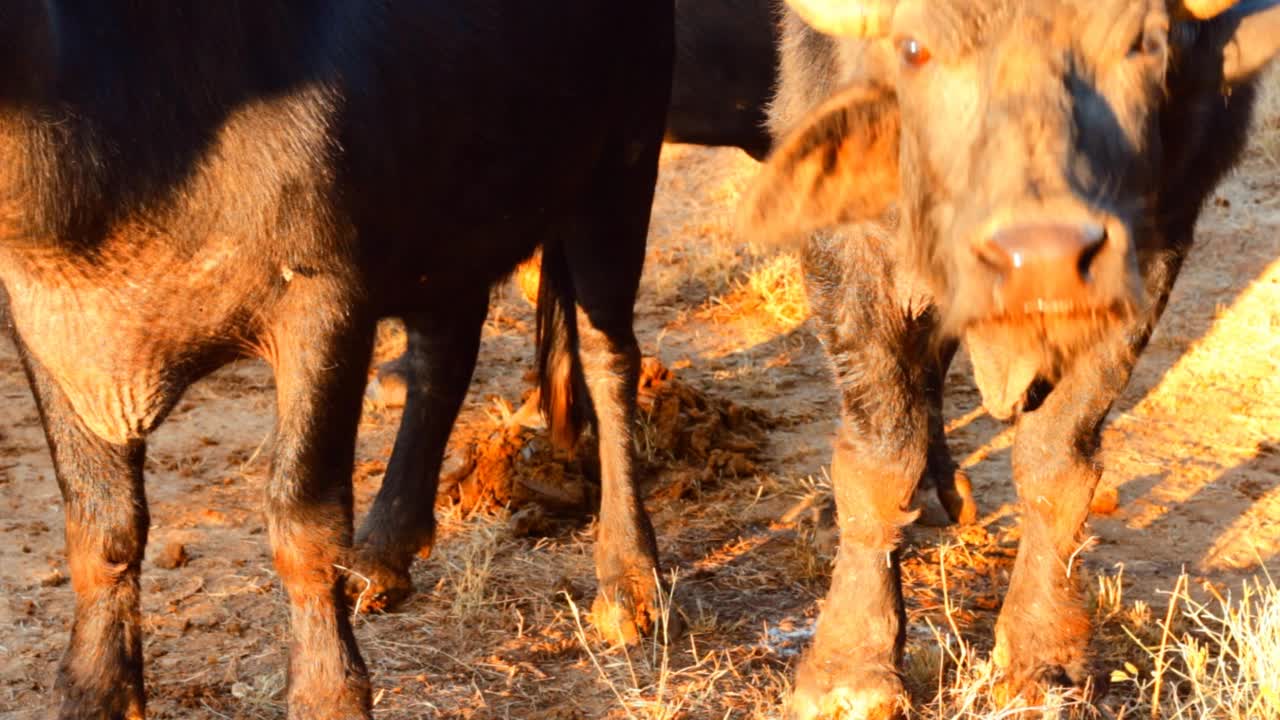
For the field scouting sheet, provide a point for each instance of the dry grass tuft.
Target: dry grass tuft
(647, 685)
(1211, 657)
(1266, 137)
(1218, 656)
(469, 573)
(772, 291)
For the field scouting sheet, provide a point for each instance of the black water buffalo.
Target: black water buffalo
(1025, 175)
(725, 69)
(184, 182)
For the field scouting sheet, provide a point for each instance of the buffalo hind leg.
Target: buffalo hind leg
(100, 677)
(320, 356)
(604, 265)
(626, 551)
(950, 484)
(438, 361)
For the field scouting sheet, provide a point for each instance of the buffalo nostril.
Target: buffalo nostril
(1047, 268)
(1093, 238)
(997, 258)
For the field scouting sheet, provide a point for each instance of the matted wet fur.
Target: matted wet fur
(184, 183)
(1046, 165)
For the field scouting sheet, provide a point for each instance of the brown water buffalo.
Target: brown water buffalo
(1025, 175)
(184, 182)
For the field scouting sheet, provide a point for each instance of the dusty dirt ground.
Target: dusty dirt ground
(1193, 449)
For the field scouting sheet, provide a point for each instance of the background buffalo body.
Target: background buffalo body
(725, 70)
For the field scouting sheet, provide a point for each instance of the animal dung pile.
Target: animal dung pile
(697, 438)
(687, 440)
(514, 465)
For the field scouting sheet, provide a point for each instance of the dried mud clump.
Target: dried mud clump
(687, 440)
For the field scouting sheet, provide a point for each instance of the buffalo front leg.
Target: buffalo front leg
(950, 484)
(1043, 630)
(879, 353)
(439, 359)
(100, 677)
(851, 670)
(320, 358)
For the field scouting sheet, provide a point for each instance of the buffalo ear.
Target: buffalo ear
(840, 165)
(1255, 39)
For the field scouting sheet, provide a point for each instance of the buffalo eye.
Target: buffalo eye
(1146, 43)
(914, 53)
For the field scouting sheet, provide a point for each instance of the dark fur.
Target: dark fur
(185, 183)
(1125, 119)
(559, 371)
(725, 69)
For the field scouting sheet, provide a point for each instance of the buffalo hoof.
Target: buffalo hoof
(1028, 686)
(99, 678)
(349, 703)
(376, 584)
(1029, 683)
(819, 696)
(957, 499)
(390, 386)
(955, 502)
(1031, 663)
(119, 703)
(623, 615)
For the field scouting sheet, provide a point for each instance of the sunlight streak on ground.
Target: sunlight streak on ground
(1229, 376)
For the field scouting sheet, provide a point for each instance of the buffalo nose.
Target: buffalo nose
(1045, 266)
